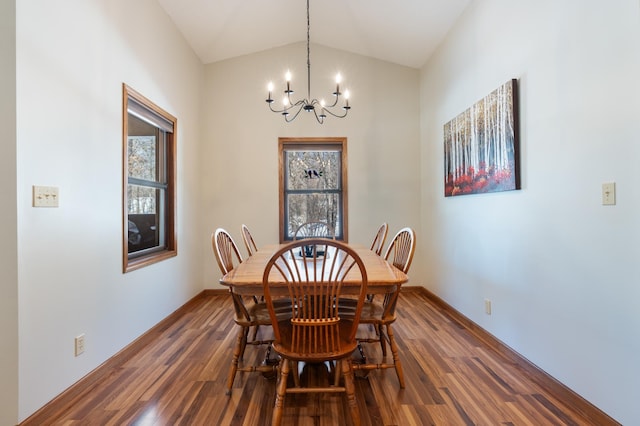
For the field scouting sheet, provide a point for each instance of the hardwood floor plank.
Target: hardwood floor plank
(457, 404)
(455, 374)
(500, 385)
(525, 414)
(422, 386)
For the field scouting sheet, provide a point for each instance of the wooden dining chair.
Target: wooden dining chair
(248, 240)
(248, 313)
(380, 237)
(377, 244)
(313, 230)
(251, 247)
(315, 332)
(381, 311)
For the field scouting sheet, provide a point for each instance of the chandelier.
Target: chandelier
(320, 109)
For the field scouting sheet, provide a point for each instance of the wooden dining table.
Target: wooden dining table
(246, 278)
(382, 278)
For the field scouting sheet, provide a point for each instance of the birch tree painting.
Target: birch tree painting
(481, 145)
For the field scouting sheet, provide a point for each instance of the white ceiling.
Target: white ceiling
(405, 32)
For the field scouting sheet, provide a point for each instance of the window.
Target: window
(313, 184)
(149, 198)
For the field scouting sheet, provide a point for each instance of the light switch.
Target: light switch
(45, 196)
(609, 194)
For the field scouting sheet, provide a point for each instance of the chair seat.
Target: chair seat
(372, 311)
(285, 345)
(259, 314)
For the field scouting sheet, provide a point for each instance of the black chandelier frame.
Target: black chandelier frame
(292, 109)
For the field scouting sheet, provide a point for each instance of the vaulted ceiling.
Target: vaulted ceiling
(404, 32)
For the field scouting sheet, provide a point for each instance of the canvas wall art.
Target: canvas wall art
(481, 145)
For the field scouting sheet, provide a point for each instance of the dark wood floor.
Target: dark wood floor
(454, 375)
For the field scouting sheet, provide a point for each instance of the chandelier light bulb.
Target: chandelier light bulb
(338, 78)
(346, 94)
(270, 87)
(287, 76)
(285, 101)
(322, 104)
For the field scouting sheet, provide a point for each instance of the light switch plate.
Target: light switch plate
(609, 194)
(45, 196)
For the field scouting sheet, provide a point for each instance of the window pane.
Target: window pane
(314, 207)
(142, 157)
(142, 199)
(313, 170)
(144, 229)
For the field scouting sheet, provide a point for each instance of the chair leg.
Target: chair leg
(296, 373)
(243, 344)
(336, 372)
(383, 343)
(281, 390)
(254, 333)
(396, 356)
(237, 354)
(350, 390)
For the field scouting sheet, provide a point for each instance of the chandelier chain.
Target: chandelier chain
(308, 54)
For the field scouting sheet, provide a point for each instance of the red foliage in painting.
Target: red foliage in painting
(484, 180)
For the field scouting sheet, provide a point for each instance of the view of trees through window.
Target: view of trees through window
(142, 165)
(313, 187)
(313, 184)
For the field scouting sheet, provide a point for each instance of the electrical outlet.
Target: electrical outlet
(79, 344)
(487, 306)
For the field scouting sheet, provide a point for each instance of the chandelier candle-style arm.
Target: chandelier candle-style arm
(291, 109)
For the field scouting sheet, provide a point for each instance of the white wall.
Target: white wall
(240, 142)
(72, 58)
(561, 269)
(558, 267)
(8, 232)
